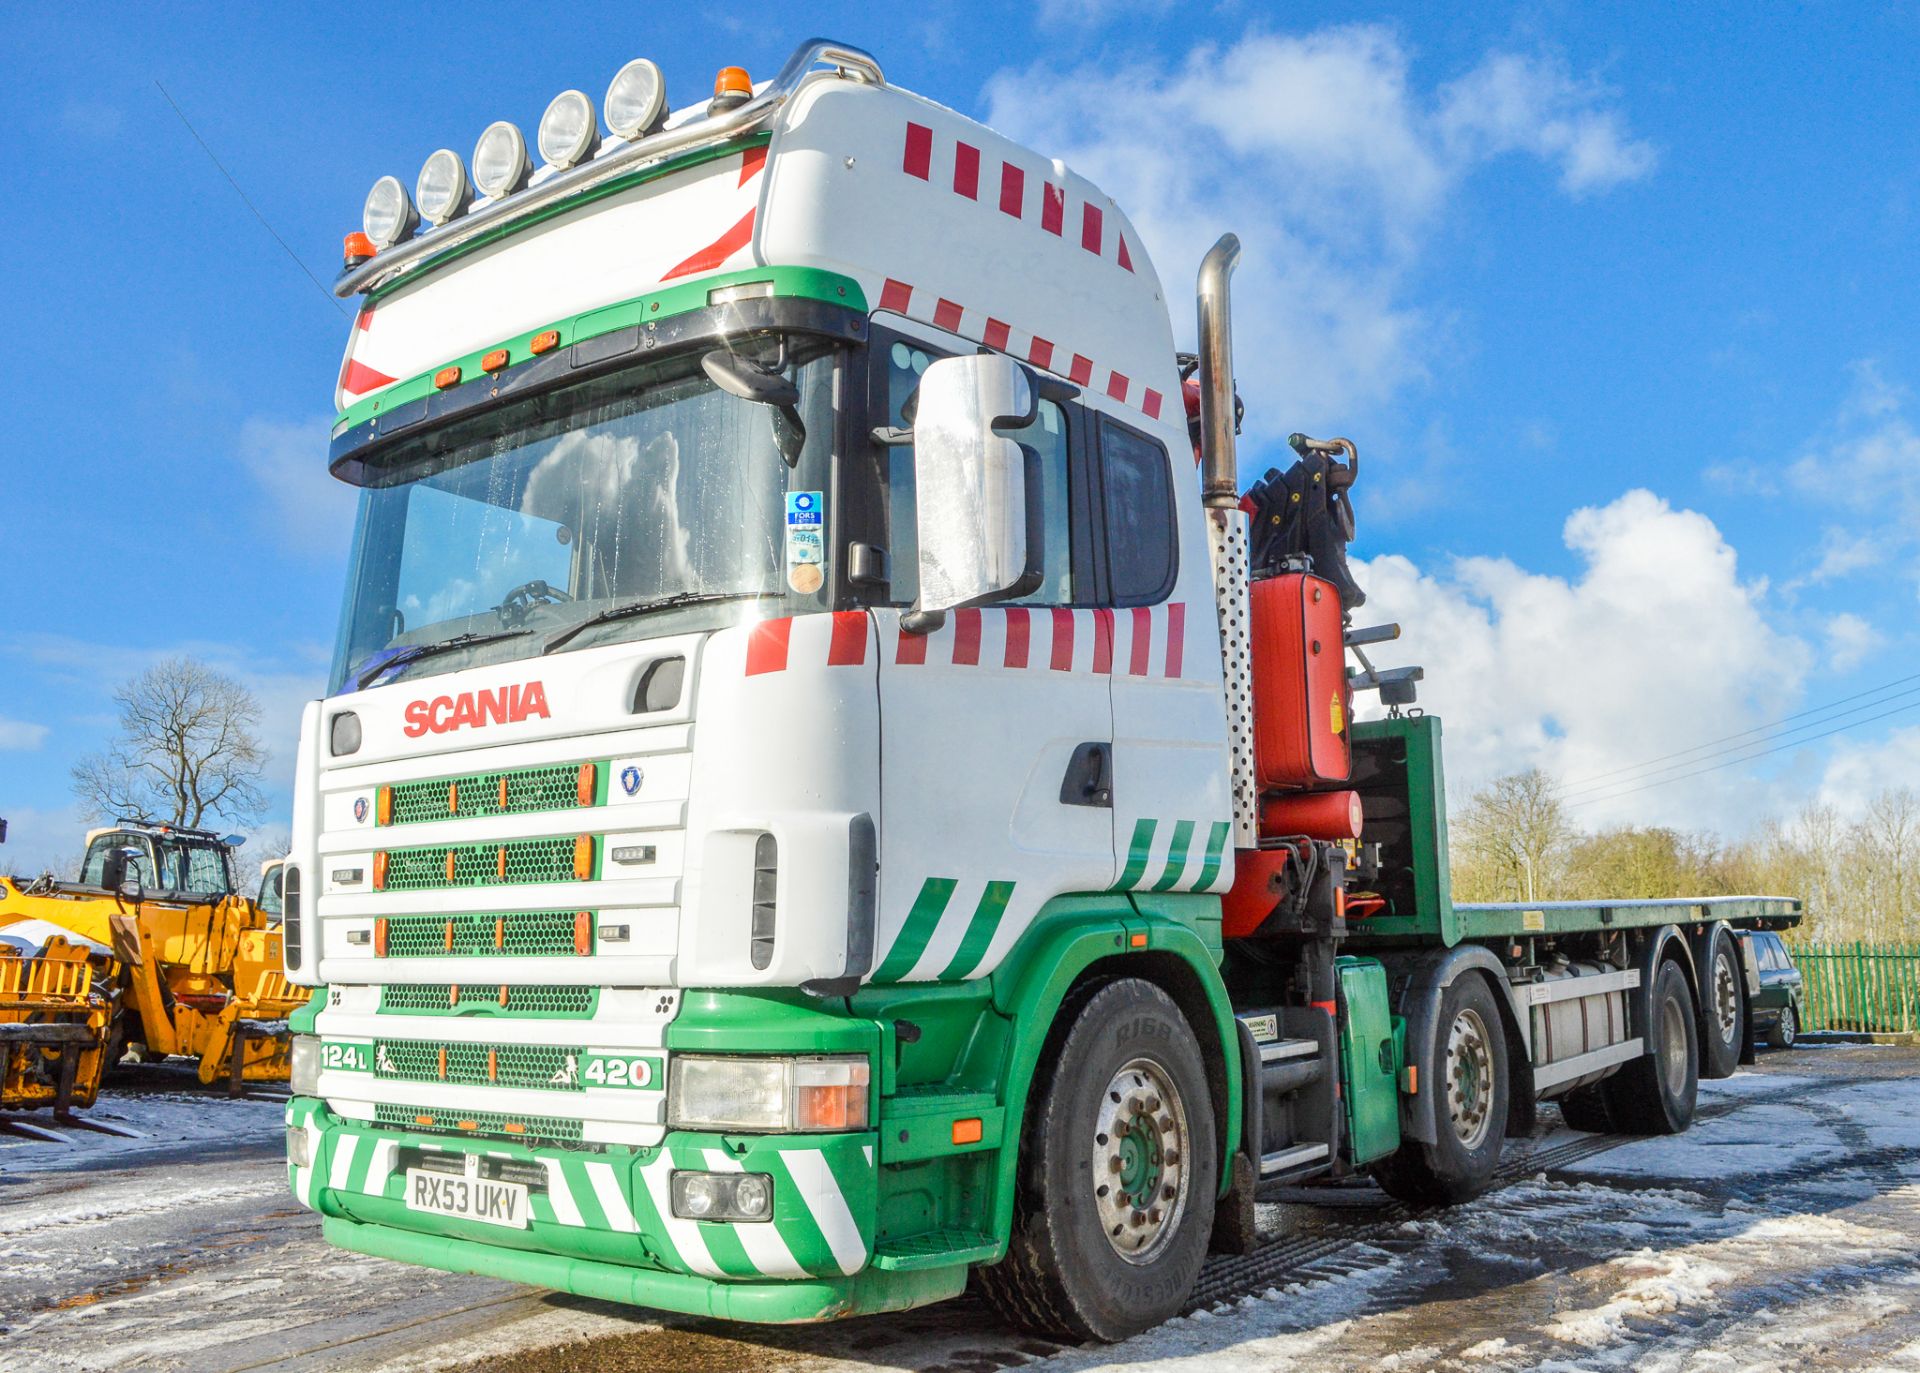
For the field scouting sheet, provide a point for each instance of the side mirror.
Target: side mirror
(977, 490)
(116, 866)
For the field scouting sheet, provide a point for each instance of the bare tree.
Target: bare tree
(187, 750)
(1511, 840)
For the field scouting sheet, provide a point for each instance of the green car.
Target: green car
(1779, 1006)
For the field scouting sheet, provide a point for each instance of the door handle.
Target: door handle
(1089, 779)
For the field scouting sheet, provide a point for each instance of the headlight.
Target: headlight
(500, 159)
(299, 1147)
(389, 214)
(767, 1094)
(637, 99)
(568, 130)
(306, 1065)
(442, 189)
(722, 1196)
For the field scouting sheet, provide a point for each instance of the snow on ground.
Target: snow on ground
(1779, 1234)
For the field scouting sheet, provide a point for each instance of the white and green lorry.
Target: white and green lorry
(821, 796)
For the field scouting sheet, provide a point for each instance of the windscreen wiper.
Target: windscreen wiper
(372, 672)
(633, 608)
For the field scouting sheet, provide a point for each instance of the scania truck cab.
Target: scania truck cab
(821, 793)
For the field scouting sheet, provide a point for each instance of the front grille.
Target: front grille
(517, 791)
(517, 862)
(437, 936)
(484, 1065)
(520, 1127)
(535, 1002)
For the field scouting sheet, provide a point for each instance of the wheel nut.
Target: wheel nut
(1114, 1165)
(1154, 1215)
(1121, 1128)
(1139, 1218)
(1153, 1104)
(1173, 1157)
(1167, 1193)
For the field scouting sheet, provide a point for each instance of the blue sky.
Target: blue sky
(1534, 259)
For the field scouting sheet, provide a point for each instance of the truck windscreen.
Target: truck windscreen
(650, 486)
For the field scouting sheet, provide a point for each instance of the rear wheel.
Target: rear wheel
(1470, 1114)
(1785, 1030)
(1118, 1171)
(1725, 995)
(1654, 1094)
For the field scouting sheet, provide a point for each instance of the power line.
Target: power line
(1583, 783)
(211, 156)
(1762, 731)
(1747, 758)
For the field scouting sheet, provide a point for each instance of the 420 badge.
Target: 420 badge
(806, 541)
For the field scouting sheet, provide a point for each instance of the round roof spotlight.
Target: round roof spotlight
(569, 132)
(637, 99)
(389, 215)
(500, 165)
(442, 190)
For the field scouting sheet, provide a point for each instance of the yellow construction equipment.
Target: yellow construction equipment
(188, 964)
(55, 1024)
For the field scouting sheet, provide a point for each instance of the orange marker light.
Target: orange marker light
(452, 858)
(383, 805)
(469, 1125)
(503, 996)
(583, 933)
(494, 361)
(446, 376)
(358, 248)
(380, 937)
(423, 1120)
(732, 81)
(583, 857)
(583, 785)
(500, 933)
(447, 942)
(380, 871)
(493, 1065)
(443, 1063)
(514, 1127)
(453, 798)
(544, 342)
(1138, 941)
(967, 1131)
(500, 863)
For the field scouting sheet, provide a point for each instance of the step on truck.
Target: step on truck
(821, 799)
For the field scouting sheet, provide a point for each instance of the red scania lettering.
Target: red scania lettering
(500, 706)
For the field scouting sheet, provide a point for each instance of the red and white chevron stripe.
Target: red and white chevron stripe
(1139, 641)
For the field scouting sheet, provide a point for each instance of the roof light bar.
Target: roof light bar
(500, 164)
(443, 190)
(849, 62)
(636, 102)
(388, 215)
(569, 130)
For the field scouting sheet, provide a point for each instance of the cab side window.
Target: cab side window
(1047, 436)
(1137, 501)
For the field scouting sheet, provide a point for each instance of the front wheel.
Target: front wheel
(1470, 1115)
(1725, 995)
(1118, 1171)
(1785, 1030)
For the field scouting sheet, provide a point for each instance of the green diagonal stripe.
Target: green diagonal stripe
(1216, 846)
(980, 929)
(1176, 855)
(922, 921)
(1137, 855)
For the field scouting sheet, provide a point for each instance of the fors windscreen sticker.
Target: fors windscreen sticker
(806, 541)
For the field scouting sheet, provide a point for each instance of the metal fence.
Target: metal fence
(1860, 986)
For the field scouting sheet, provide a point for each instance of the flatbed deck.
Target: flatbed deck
(1507, 919)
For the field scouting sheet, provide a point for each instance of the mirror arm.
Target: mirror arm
(890, 436)
(922, 621)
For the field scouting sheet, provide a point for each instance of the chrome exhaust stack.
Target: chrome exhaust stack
(1227, 532)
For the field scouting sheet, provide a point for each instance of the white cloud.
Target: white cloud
(1850, 641)
(1655, 646)
(1085, 12)
(307, 507)
(1333, 164)
(1861, 769)
(42, 839)
(21, 734)
(1866, 468)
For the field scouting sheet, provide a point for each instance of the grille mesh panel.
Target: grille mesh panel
(512, 1065)
(515, 792)
(516, 862)
(535, 1000)
(525, 933)
(555, 1128)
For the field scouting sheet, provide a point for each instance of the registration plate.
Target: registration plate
(469, 1198)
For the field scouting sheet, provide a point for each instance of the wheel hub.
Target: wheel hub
(1726, 998)
(1139, 1157)
(1469, 1078)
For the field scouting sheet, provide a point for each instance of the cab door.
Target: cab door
(996, 728)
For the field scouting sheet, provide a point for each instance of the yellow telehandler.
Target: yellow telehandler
(187, 963)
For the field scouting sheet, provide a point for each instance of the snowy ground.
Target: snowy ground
(1783, 1231)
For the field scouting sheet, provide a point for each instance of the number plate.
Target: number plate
(469, 1198)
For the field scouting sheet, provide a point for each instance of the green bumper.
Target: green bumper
(601, 1224)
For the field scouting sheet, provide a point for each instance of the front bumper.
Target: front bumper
(601, 1223)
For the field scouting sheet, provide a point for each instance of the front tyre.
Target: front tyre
(1470, 1115)
(1117, 1176)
